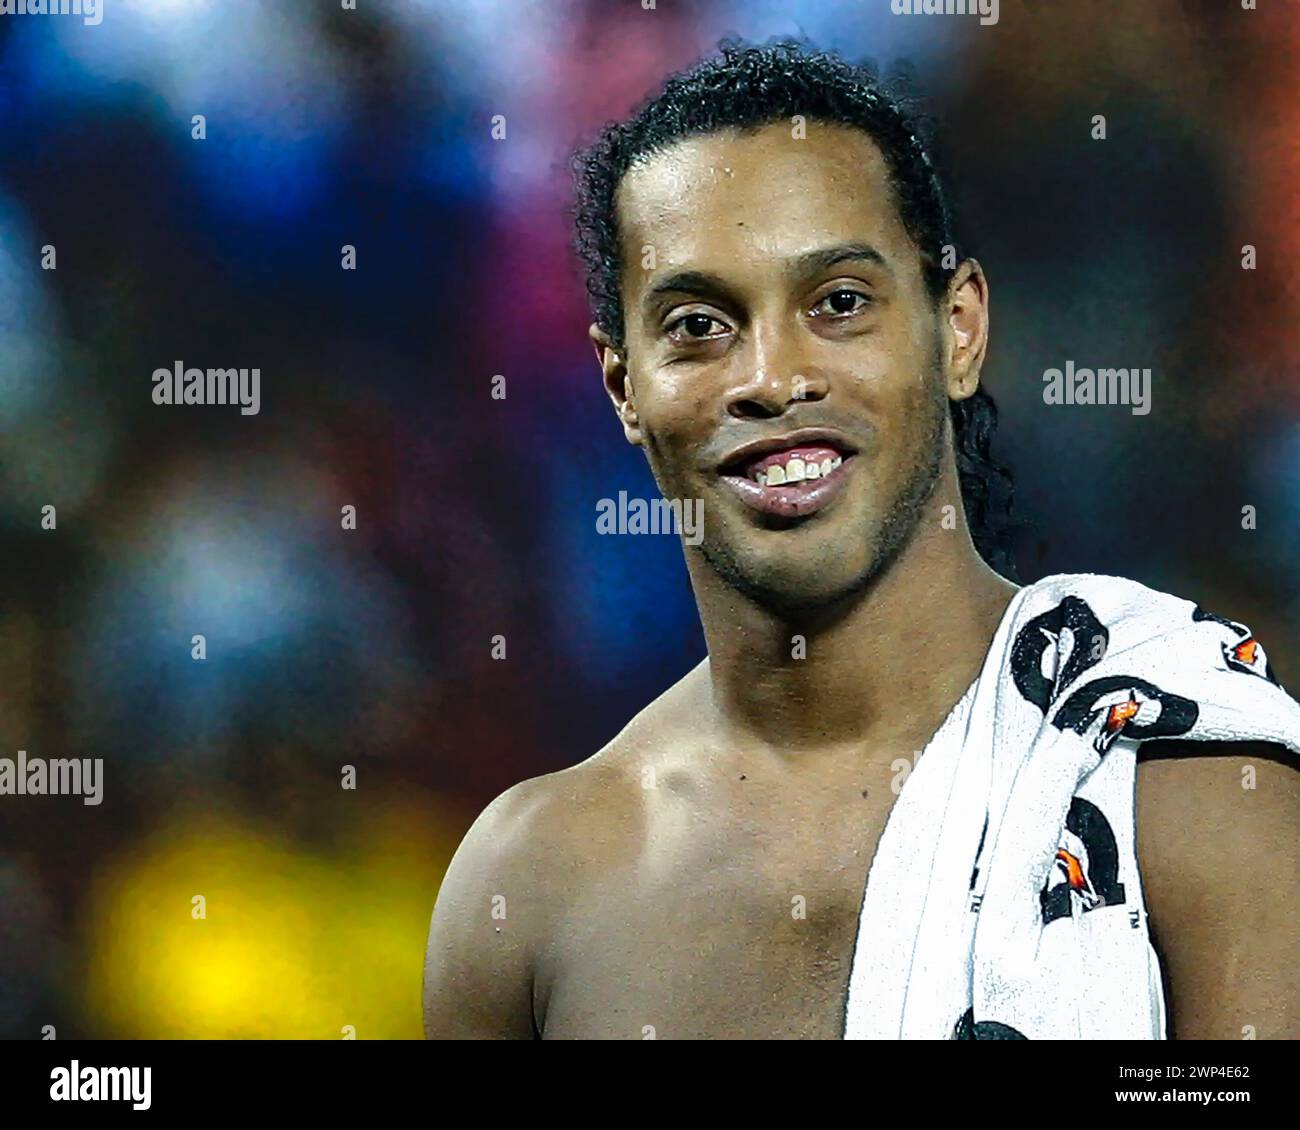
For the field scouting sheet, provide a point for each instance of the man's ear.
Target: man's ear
(617, 382)
(966, 329)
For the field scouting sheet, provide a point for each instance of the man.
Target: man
(781, 331)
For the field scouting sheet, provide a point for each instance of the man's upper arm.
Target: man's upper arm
(478, 969)
(1219, 861)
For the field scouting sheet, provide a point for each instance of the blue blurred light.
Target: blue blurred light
(622, 602)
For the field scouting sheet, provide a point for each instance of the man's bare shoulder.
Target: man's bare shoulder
(522, 863)
(1227, 794)
(1218, 832)
(579, 814)
(544, 827)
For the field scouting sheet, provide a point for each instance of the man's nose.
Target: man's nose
(777, 374)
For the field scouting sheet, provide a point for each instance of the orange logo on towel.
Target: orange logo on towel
(1077, 881)
(1073, 870)
(1245, 651)
(1120, 713)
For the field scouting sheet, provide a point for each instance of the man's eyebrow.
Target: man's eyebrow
(814, 262)
(686, 282)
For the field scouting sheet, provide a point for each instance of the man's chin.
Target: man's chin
(799, 585)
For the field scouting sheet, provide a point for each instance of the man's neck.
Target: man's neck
(904, 650)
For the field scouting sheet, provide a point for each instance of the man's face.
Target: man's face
(777, 329)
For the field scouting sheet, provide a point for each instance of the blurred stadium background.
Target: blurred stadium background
(371, 648)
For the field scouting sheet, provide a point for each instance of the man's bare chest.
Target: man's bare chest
(733, 921)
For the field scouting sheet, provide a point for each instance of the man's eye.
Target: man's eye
(842, 302)
(696, 326)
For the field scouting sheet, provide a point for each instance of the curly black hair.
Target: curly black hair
(744, 87)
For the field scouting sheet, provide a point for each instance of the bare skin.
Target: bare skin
(648, 891)
(1218, 863)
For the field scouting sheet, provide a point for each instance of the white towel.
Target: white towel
(1004, 900)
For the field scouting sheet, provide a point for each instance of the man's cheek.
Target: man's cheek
(673, 432)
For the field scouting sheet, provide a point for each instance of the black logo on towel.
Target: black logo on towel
(968, 1028)
(1086, 868)
(979, 853)
(1088, 641)
(1129, 707)
(1247, 655)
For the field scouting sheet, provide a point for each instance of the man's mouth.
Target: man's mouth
(794, 466)
(791, 478)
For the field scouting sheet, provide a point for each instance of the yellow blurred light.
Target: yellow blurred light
(294, 945)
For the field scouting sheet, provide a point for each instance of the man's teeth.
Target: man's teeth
(796, 470)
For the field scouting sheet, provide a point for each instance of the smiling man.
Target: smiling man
(786, 329)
